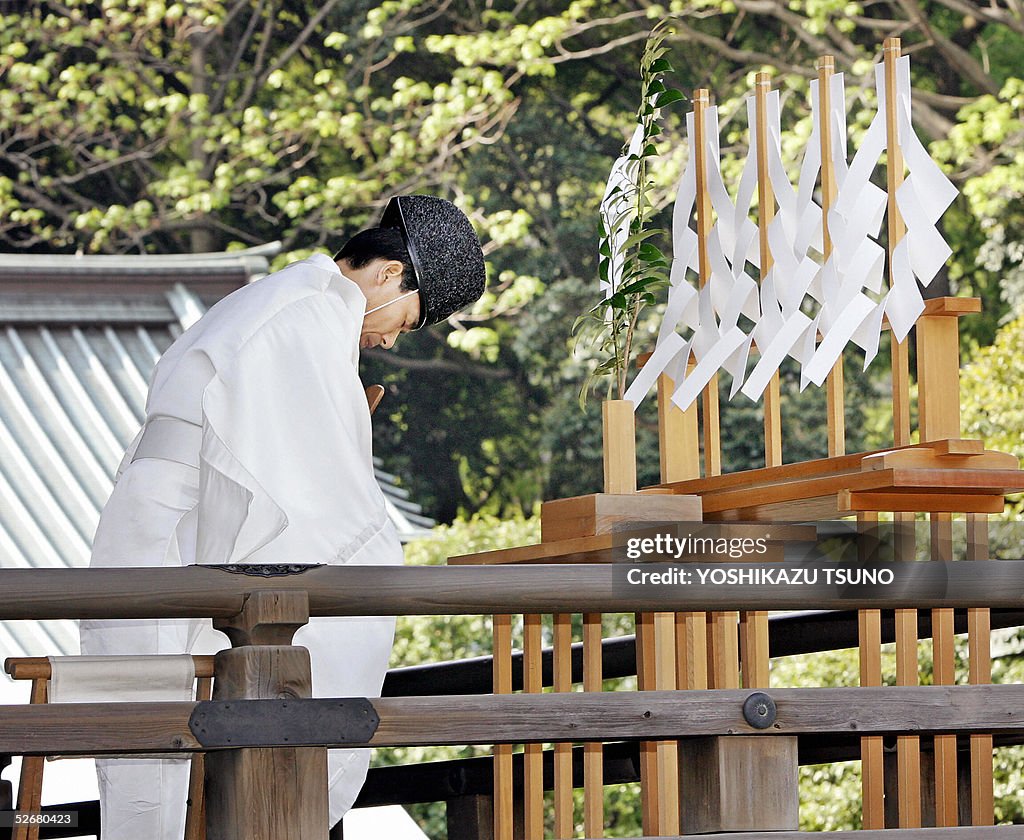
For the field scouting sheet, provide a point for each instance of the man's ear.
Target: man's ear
(389, 270)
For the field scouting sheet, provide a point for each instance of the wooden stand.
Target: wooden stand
(266, 794)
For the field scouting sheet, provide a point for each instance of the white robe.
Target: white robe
(285, 476)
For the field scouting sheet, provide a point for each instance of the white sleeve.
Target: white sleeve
(286, 470)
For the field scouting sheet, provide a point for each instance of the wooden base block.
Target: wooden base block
(600, 513)
(738, 783)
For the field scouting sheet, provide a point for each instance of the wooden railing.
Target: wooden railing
(258, 607)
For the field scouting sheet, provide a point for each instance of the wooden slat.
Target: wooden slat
(502, 663)
(533, 760)
(918, 502)
(939, 481)
(562, 682)
(815, 468)
(979, 641)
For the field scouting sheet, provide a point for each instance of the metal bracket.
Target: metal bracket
(283, 723)
(265, 569)
(759, 710)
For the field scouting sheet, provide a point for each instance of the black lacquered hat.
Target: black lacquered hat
(445, 253)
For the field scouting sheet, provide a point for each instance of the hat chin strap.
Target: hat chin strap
(393, 300)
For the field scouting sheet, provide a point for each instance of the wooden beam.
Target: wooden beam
(443, 590)
(87, 728)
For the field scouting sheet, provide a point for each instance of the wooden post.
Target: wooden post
(765, 214)
(265, 794)
(897, 230)
(712, 449)
(470, 817)
(619, 434)
(835, 410)
(739, 783)
(754, 625)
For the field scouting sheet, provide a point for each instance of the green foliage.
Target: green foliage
(635, 268)
(155, 126)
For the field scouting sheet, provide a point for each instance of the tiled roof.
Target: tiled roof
(74, 368)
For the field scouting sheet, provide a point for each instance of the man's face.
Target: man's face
(381, 284)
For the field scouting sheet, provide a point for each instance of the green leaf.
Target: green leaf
(661, 65)
(668, 97)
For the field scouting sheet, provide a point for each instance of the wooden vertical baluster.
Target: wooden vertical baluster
(650, 788)
(979, 640)
(533, 758)
(908, 747)
(562, 681)
(943, 668)
(502, 664)
(872, 771)
(593, 753)
(30, 787)
(666, 754)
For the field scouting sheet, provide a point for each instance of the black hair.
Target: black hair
(380, 244)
